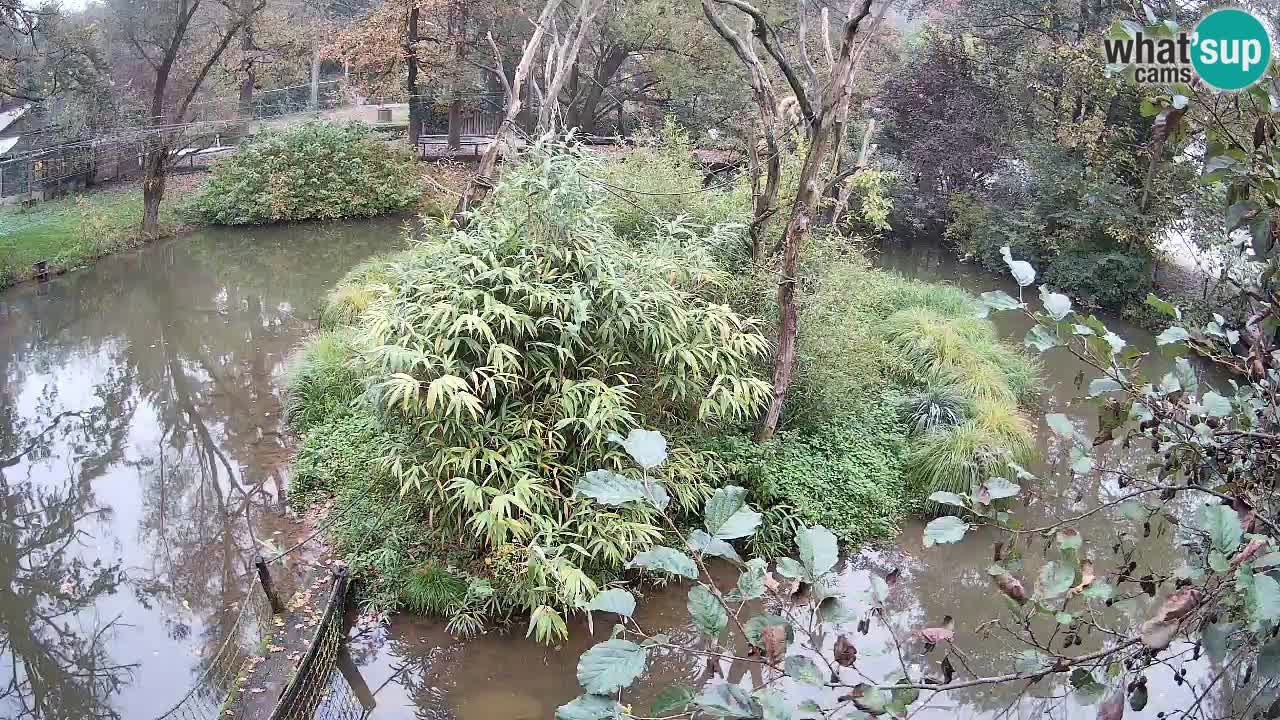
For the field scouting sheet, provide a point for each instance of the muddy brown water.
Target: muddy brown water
(143, 463)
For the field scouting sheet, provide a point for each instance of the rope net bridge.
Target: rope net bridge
(323, 683)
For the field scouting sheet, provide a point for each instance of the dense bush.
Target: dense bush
(311, 171)
(1078, 221)
(845, 474)
(1103, 279)
(501, 362)
(863, 331)
(666, 183)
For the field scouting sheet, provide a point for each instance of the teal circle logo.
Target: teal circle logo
(1231, 49)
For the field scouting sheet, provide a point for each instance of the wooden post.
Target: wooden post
(264, 577)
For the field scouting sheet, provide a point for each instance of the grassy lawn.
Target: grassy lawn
(70, 232)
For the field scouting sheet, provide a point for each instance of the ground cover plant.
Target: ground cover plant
(69, 232)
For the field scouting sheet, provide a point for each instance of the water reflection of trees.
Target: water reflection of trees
(54, 660)
(158, 366)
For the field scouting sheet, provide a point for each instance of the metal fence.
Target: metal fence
(319, 687)
(114, 153)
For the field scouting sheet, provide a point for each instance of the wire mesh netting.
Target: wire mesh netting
(324, 683)
(215, 692)
(319, 687)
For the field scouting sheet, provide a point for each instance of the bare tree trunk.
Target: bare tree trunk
(564, 63)
(808, 193)
(250, 73)
(455, 102)
(818, 110)
(153, 182)
(764, 201)
(483, 181)
(411, 84)
(315, 78)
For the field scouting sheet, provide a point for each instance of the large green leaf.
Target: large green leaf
(818, 550)
(1056, 304)
(754, 627)
(726, 700)
(1060, 424)
(1040, 338)
(1264, 600)
(999, 300)
(706, 611)
(1215, 404)
(610, 666)
(610, 488)
(665, 559)
(700, 541)
(1217, 639)
(804, 669)
(999, 488)
(614, 600)
(1269, 659)
(1100, 386)
(1163, 306)
(1056, 578)
(727, 515)
(647, 447)
(1173, 334)
(751, 579)
(774, 705)
(1222, 525)
(672, 700)
(944, 530)
(942, 497)
(590, 707)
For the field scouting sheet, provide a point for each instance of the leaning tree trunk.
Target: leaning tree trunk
(763, 201)
(483, 181)
(808, 193)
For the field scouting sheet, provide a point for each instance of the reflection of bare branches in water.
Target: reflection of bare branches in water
(55, 668)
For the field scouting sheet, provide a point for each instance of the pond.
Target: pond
(143, 465)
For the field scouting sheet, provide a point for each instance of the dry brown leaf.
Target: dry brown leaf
(1086, 578)
(774, 638)
(845, 652)
(1012, 587)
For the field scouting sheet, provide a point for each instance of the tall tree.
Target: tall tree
(180, 41)
(820, 101)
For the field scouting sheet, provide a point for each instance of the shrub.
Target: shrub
(864, 330)
(935, 407)
(845, 474)
(1104, 279)
(670, 185)
(505, 359)
(311, 171)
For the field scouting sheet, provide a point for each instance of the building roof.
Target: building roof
(8, 117)
(7, 143)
